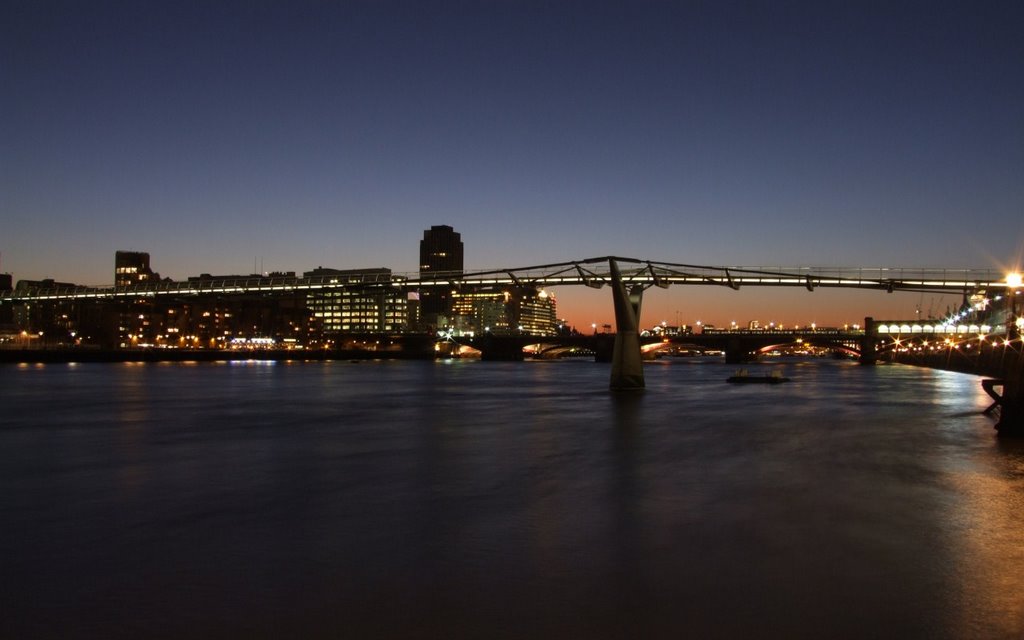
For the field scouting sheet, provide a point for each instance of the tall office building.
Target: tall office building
(440, 254)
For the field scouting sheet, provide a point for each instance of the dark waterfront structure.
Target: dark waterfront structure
(6, 312)
(440, 255)
(6, 284)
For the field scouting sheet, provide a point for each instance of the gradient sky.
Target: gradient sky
(219, 136)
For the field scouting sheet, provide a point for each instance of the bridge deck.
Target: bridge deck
(592, 272)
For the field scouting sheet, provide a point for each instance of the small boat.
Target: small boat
(743, 377)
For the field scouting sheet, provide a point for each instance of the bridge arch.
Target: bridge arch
(824, 343)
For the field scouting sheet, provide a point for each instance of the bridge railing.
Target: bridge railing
(594, 272)
(937, 328)
(783, 332)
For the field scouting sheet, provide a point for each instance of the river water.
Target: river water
(489, 500)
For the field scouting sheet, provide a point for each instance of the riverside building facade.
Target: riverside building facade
(514, 310)
(358, 310)
(280, 309)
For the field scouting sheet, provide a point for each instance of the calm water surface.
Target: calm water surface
(490, 500)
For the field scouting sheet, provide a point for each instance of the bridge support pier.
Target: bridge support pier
(738, 352)
(501, 348)
(627, 365)
(868, 351)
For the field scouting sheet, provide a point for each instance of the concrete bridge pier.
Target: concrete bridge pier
(738, 352)
(627, 365)
(501, 348)
(868, 351)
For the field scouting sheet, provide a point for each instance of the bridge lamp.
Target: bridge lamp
(1013, 281)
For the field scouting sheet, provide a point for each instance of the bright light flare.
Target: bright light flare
(1014, 280)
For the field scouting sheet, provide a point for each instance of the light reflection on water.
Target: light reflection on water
(469, 499)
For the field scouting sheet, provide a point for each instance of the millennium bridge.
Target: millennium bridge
(591, 272)
(627, 278)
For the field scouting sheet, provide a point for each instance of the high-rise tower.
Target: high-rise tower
(440, 254)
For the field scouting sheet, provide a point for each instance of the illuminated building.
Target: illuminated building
(481, 311)
(533, 312)
(440, 254)
(54, 319)
(358, 310)
(505, 311)
(132, 267)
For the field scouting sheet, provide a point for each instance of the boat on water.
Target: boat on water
(771, 378)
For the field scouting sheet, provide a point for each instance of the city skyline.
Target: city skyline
(220, 137)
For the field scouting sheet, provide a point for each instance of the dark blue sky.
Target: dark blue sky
(217, 136)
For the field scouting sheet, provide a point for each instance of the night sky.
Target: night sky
(228, 137)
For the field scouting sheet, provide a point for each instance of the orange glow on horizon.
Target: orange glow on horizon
(582, 307)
